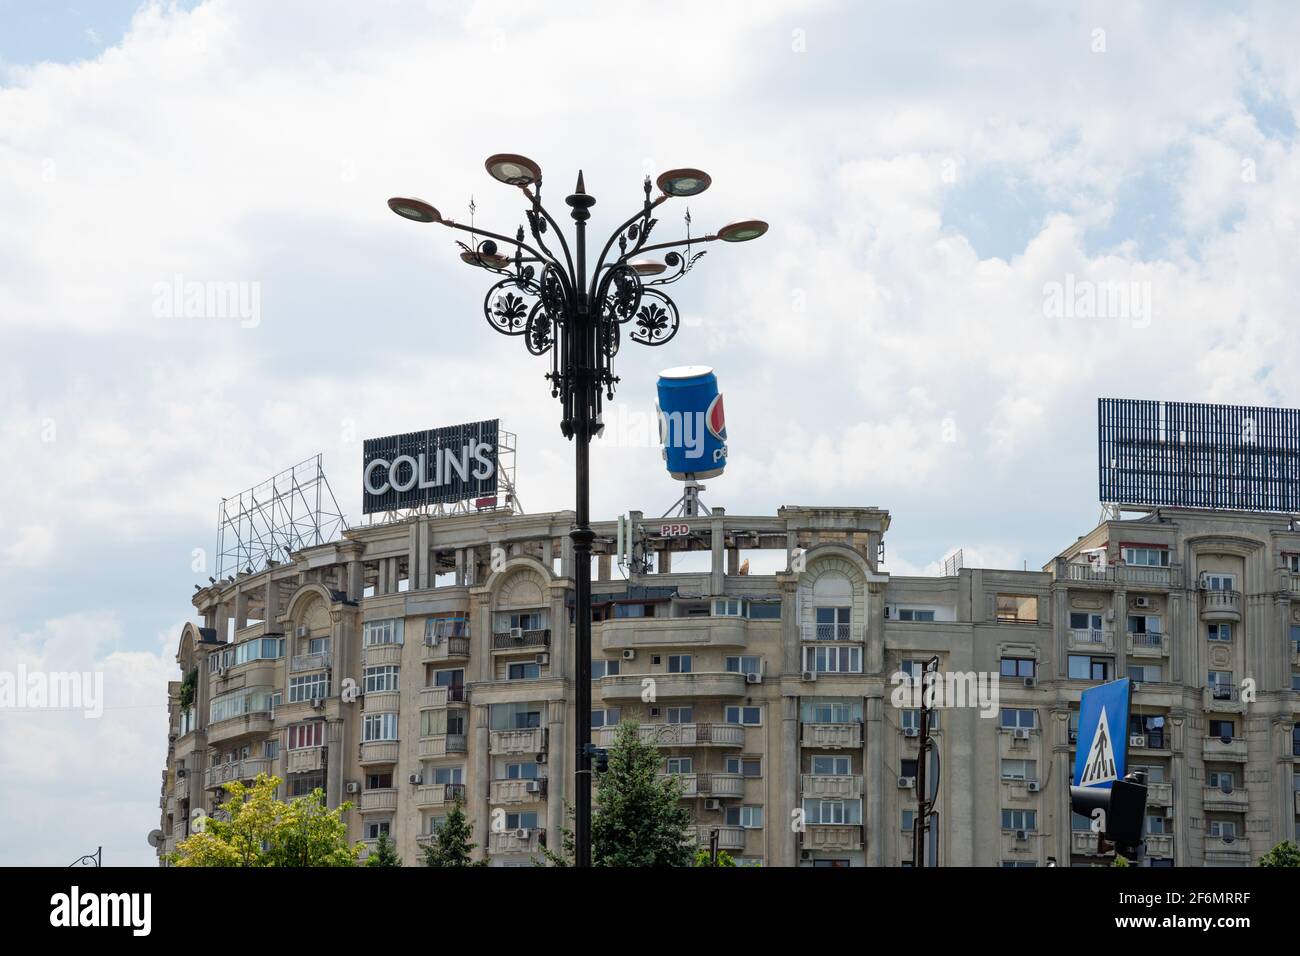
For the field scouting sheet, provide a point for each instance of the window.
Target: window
(1082, 667)
(380, 679)
(608, 717)
(302, 784)
(1146, 624)
(1218, 632)
(907, 767)
(1223, 829)
(524, 670)
(1151, 557)
(907, 820)
(833, 660)
(1217, 581)
(1020, 819)
(527, 621)
(1222, 729)
(1079, 822)
(1220, 684)
(679, 765)
(1019, 667)
(729, 607)
(745, 766)
(911, 720)
(679, 663)
(382, 632)
(765, 610)
(1292, 562)
(832, 811)
(1012, 718)
(259, 649)
(1220, 779)
(379, 781)
(522, 821)
(454, 678)
(306, 735)
(318, 645)
(748, 716)
(379, 727)
(1155, 772)
(523, 770)
(823, 711)
(514, 716)
(448, 775)
(303, 687)
(271, 748)
(749, 664)
(832, 623)
(634, 610)
(915, 614)
(912, 668)
(831, 766)
(1019, 770)
(248, 700)
(438, 629)
(1017, 609)
(749, 817)
(377, 827)
(1295, 680)
(681, 715)
(605, 668)
(1295, 637)
(1151, 727)
(1084, 621)
(1144, 673)
(1159, 824)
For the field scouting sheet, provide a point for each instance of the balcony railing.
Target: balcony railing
(831, 632)
(1231, 801)
(379, 799)
(308, 663)
(832, 736)
(1221, 605)
(378, 751)
(845, 786)
(1160, 845)
(729, 838)
(1122, 573)
(507, 640)
(630, 687)
(1092, 638)
(1231, 748)
(831, 836)
(305, 760)
(441, 696)
(680, 735)
(246, 769)
(522, 840)
(528, 740)
(1147, 644)
(518, 791)
(444, 649)
(440, 745)
(438, 794)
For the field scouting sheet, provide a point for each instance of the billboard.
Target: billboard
(1193, 455)
(434, 467)
(692, 422)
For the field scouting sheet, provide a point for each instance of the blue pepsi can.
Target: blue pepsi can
(692, 422)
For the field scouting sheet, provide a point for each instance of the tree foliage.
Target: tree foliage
(639, 819)
(254, 828)
(451, 842)
(703, 858)
(1285, 853)
(384, 853)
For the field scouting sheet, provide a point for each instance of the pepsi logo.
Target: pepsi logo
(716, 418)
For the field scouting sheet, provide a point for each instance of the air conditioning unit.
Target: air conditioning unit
(1110, 614)
(539, 758)
(180, 773)
(317, 703)
(301, 632)
(532, 786)
(352, 787)
(415, 778)
(1136, 685)
(521, 833)
(1031, 681)
(805, 854)
(1141, 602)
(629, 654)
(543, 659)
(911, 732)
(810, 675)
(1033, 786)
(1022, 835)
(906, 783)
(1020, 733)
(516, 633)
(1137, 740)
(713, 803)
(754, 678)
(221, 670)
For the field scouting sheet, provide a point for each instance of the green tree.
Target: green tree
(384, 853)
(639, 819)
(188, 688)
(450, 843)
(1120, 861)
(703, 858)
(1285, 853)
(253, 829)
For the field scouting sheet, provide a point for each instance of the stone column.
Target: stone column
(787, 846)
(479, 790)
(557, 781)
(717, 580)
(873, 778)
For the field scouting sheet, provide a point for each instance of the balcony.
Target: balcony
(441, 745)
(842, 633)
(438, 794)
(309, 663)
(1084, 843)
(721, 784)
(629, 687)
(181, 786)
(1081, 573)
(256, 724)
(377, 655)
(661, 632)
(531, 740)
(440, 649)
(730, 839)
(381, 702)
(831, 736)
(521, 640)
(1231, 801)
(1227, 851)
(681, 735)
(1091, 640)
(373, 801)
(1160, 846)
(1296, 797)
(243, 770)
(438, 697)
(378, 752)
(1218, 748)
(1220, 605)
(690, 782)
(1222, 699)
(831, 785)
(523, 840)
(517, 791)
(1160, 794)
(304, 760)
(1148, 644)
(838, 837)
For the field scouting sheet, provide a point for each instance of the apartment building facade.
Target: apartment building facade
(413, 662)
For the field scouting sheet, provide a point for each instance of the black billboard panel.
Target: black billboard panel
(433, 467)
(1193, 455)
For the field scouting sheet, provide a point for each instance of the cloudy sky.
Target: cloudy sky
(947, 184)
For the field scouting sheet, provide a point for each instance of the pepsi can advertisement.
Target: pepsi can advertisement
(692, 422)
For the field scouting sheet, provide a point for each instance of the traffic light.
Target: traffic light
(1123, 810)
(599, 758)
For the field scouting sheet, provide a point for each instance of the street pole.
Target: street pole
(586, 384)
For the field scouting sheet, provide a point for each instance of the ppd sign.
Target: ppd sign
(434, 467)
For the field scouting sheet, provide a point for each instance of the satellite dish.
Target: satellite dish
(156, 838)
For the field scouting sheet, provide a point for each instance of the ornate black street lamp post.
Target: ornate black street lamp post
(548, 299)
